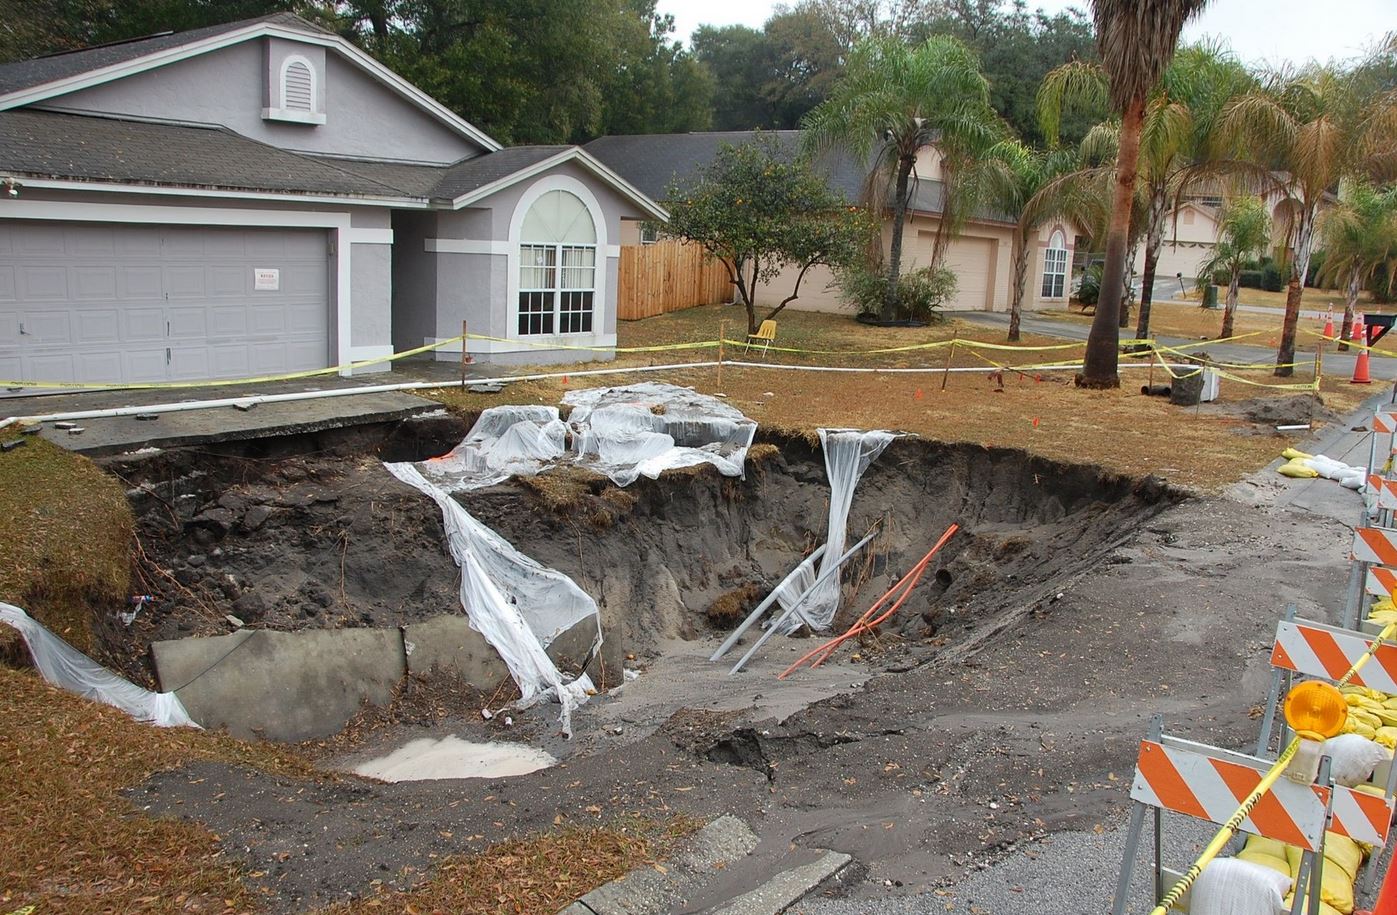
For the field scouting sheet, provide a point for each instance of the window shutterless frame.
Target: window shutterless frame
(557, 289)
(1054, 268)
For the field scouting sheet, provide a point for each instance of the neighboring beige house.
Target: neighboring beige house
(1193, 231)
(981, 255)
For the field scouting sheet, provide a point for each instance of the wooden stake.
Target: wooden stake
(722, 335)
(465, 356)
(950, 353)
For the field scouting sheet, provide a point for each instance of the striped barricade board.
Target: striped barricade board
(1361, 816)
(1385, 420)
(1319, 650)
(1382, 492)
(1376, 545)
(1381, 582)
(1210, 784)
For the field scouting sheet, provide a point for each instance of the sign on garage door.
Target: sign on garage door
(95, 302)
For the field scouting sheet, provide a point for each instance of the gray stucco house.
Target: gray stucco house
(264, 197)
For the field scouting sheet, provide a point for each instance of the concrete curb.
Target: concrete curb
(651, 891)
(786, 888)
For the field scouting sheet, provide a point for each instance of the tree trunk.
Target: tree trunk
(1350, 306)
(904, 171)
(1100, 363)
(1299, 265)
(1154, 237)
(1020, 273)
(1229, 307)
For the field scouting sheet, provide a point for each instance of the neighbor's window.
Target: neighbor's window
(1055, 267)
(649, 233)
(557, 266)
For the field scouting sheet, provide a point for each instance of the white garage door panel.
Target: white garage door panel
(969, 259)
(108, 302)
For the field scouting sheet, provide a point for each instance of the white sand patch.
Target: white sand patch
(452, 757)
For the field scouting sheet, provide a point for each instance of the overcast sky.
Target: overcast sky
(1271, 31)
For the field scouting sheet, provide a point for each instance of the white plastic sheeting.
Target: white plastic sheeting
(516, 604)
(647, 428)
(848, 453)
(64, 666)
(623, 432)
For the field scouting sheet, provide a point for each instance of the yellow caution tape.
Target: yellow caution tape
(1353, 344)
(27, 910)
(229, 382)
(657, 348)
(911, 347)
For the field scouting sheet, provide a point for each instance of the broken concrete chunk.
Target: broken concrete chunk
(234, 621)
(256, 516)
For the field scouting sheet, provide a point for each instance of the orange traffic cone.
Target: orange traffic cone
(1329, 324)
(1360, 364)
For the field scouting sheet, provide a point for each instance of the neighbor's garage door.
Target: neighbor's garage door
(98, 302)
(970, 259)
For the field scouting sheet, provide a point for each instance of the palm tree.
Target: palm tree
(1136, 41)
(1313, 128)
(1026, 184)
(893, 101)
(1359, 237)
(1245, 230)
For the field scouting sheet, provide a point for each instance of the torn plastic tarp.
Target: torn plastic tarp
(623, 432)
(645, 429)
(519, 606)
(848, 453)
(64, 666)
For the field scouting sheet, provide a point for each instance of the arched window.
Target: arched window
(557, 266)
(1055, 266)
(297, 85)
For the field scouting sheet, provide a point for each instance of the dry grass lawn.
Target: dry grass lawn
(1120, 430)
(1170, 319)
(1313, 299)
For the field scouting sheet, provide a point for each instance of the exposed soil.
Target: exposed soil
(968, 695)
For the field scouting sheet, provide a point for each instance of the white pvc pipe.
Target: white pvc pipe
(254, 399)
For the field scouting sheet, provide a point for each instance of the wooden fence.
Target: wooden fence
(669, 275)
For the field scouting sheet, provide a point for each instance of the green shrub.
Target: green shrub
(1221, 278)
(1271, 279)
(919, 292)
(1089, 291)
(1249, 279)
(1316, 267)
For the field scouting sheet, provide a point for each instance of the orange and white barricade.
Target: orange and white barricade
(1208, 783)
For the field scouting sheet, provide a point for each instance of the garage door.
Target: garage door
(95, 302)
(970, 259)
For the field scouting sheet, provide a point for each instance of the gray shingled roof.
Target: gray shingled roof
(26, 74)
(652, 161)
(52, 145)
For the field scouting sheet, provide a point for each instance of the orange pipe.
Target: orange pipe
(863, 623)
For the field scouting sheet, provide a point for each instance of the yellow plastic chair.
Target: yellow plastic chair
(765, 336)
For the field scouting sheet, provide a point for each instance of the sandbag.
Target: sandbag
(1353, 757)
(1278, 864)
(1228, 886)
(1335, 884)
(1292, 454)
(1344, 853)
(1264, 846)
(1297, 470)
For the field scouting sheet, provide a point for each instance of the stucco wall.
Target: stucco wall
(476, 265)
(229, 87)
(414, 280)
(982, 249)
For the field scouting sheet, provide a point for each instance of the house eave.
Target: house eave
(583, 158)
(49, 182)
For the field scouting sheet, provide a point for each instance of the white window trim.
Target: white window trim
(559, 288)
(279, 111)
(600, 301)
(1057, 243)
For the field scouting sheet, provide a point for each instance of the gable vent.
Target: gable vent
(298, 88)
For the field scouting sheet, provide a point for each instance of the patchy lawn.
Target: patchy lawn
(72, 843)
(1316, 299)
(1120, 430)
(539, 875)
(1171, 319)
